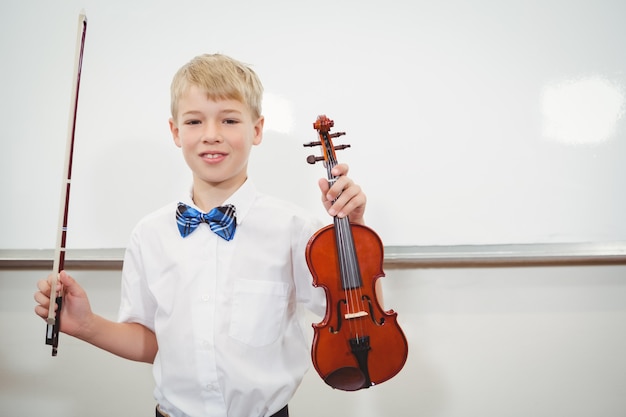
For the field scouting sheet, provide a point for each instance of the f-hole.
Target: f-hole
(339, 321)
(372, 316)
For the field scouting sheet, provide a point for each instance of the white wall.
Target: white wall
(471, 122)
(501, 342)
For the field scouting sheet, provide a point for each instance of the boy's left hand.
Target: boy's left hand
(350, 198)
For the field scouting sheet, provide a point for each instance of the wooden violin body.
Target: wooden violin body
(353, 348)
(358, 344)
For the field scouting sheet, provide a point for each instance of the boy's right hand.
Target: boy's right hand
(76, 313)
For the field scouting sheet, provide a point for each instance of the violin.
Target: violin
(357, 344)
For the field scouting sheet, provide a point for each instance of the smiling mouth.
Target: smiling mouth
(212, 155)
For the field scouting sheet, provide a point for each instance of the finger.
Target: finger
(349, 201)
(340, 170)
(341, 186)
(42, 311)
(70, 286)
(52, 277)
(43, 304)
(42, 299)
(54, 283)
(324, 187)
(43, 286)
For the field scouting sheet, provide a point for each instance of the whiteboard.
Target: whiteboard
(470, 122)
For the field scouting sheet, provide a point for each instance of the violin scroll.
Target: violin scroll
(323, 125)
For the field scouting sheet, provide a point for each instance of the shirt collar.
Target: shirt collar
(242, 199)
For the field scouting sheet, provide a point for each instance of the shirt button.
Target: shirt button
(205, 298)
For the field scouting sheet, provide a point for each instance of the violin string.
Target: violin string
(330, 164)
(346, 275)
(357, 282)
(349, 269)
(353, 280)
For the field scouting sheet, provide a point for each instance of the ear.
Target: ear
(174, 130)
(258, 130)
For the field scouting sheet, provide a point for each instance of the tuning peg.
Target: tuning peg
(340, 147)
(337, 134)
(311, 144)
(311, 159)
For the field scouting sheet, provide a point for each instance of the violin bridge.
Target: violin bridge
(356, 315)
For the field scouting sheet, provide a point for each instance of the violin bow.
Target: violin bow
(54, 317)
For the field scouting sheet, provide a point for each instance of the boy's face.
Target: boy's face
(216, 138)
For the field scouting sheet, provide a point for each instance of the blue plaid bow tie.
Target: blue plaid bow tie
(220, 219)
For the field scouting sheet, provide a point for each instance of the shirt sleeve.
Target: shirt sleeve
(137, 302)
(314, 299)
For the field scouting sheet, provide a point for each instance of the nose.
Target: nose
(212, 132)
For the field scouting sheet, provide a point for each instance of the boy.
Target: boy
(216, 310)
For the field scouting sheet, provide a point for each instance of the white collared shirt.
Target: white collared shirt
(227, 314)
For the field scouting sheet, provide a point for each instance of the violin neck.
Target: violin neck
(346, 253)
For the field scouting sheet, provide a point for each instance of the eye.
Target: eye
(231, 121)
(192, 122)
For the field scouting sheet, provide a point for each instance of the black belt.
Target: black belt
(284, 412)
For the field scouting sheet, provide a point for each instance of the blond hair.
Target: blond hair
(223, 78)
